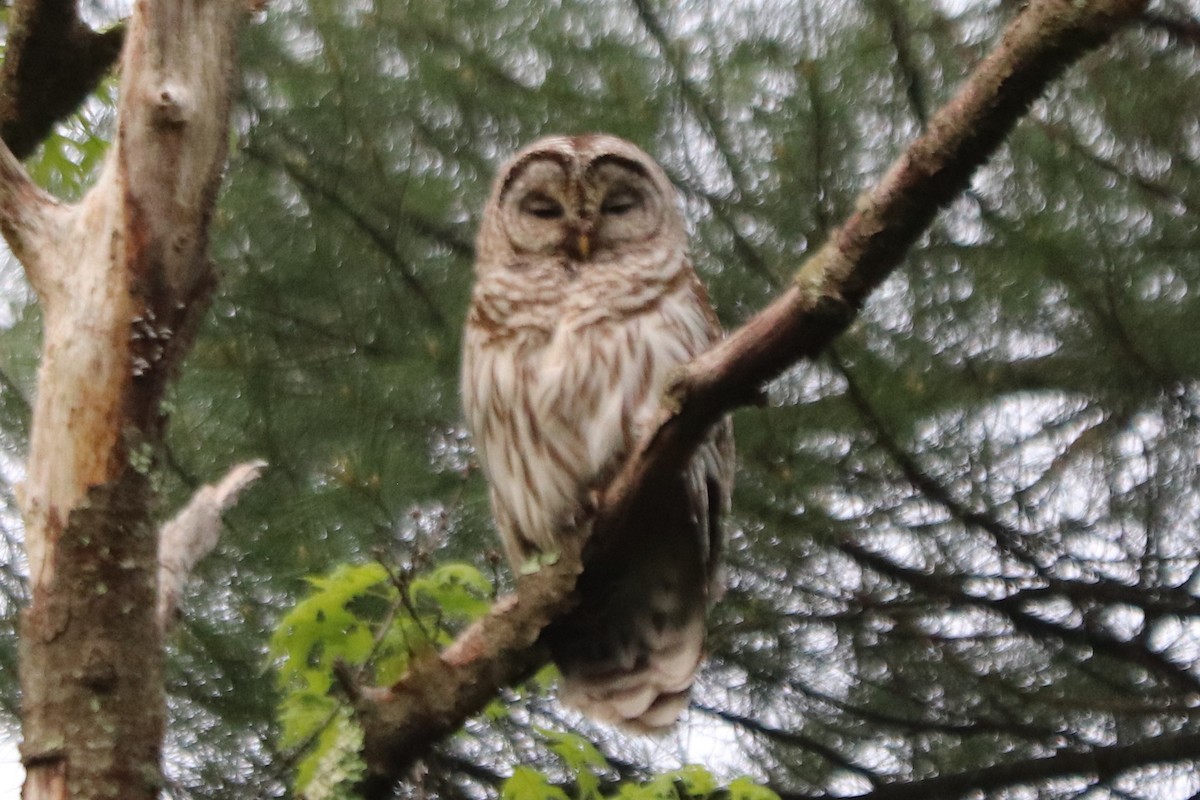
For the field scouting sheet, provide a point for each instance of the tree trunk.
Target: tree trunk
(123, 280)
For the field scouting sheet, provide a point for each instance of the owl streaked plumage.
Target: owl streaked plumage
(584, 303)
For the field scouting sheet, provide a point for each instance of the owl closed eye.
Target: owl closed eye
(552, 206)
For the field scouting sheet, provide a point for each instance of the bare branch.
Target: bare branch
(193, 533)
(433, 700)
(30, 220)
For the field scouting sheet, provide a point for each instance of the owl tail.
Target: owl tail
(629, 651)
(639, 681)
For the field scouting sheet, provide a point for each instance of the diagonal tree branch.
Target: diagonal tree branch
(31, 221)
(404, 722)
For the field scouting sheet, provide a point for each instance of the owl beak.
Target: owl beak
(583, 246)
(578, 242)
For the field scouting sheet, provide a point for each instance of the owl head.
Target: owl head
(577, 199)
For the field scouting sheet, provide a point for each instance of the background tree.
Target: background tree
(966, 539)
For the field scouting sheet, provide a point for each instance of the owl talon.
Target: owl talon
(537, 561)
(590, 503)
(585, 508)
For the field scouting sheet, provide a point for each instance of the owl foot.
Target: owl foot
(538, 560)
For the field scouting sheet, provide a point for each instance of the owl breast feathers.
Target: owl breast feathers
(584, 303)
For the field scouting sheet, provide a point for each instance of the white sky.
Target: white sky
(11, 772)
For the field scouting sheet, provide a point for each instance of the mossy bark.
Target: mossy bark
(124, 279)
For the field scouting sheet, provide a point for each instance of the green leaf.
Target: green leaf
(746, 789)
(537, 561)
(302, 714)
(333, 764)
(697, 780)
(458, 591)
(527, 783)
(688, 781)
(580, 756)
(321, 628)
(576, 752)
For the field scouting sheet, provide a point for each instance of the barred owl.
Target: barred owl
(584, 303)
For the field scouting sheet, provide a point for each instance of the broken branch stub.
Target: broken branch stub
(193, 532)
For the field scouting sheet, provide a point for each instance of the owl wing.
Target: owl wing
(630, 649)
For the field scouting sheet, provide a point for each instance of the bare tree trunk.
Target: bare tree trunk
(123, 280)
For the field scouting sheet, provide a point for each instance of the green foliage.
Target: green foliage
(334, 762)
(580, 757)
(691, 781)
(587, 769)
(745, 789)
(361, 617)
(323, 628)
(527, 783)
